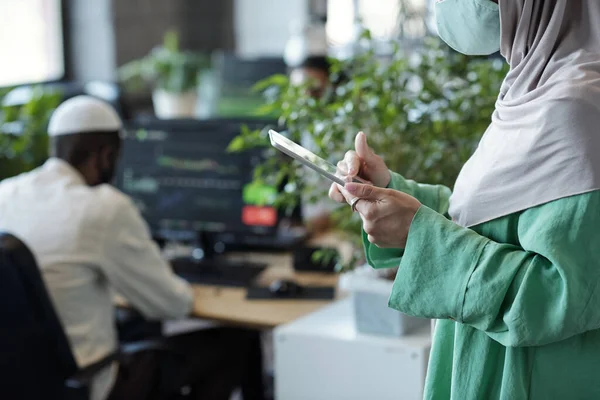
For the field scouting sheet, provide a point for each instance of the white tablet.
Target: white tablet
(306, 157)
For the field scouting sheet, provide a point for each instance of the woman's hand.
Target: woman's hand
(386, 213)
(363, 163)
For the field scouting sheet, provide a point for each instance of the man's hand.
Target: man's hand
(363, 163)
(386, 214)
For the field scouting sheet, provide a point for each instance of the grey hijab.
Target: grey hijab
(544, 140)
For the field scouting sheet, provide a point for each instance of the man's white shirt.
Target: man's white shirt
(90, 242)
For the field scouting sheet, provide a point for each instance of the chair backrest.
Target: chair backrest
(35, 356)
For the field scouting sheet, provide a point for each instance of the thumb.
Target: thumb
(366, 192)
(362, 147)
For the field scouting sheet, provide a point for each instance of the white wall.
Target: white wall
(262, 27)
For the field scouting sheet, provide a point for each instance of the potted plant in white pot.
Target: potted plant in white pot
(424, 112)
(172, 74)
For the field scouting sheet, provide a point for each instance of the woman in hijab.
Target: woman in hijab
(513, 277)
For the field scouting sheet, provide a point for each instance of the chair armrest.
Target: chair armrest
(83, 378)
(141, 346)
(132, 326)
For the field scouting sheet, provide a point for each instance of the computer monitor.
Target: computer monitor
(185, 183)
(244, 72)
(236, 77)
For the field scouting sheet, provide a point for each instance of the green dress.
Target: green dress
(517, 298)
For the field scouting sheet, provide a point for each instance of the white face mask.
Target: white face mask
(471, 27)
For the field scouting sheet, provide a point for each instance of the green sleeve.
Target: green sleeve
(435, 197)
(542, 291)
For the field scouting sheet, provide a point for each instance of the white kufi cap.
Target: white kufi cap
(82, 114)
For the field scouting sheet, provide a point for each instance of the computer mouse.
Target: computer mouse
(284, 287)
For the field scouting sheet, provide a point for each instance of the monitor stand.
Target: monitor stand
(205, 248)
(207, 265)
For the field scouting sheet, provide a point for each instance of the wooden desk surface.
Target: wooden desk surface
(229, 305)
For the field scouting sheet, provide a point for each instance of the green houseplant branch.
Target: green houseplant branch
(166, 67)
(423, 111)
(23, 130)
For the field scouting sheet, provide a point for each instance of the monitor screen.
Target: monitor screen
(236, 77)
(31, 42)
(183, 180)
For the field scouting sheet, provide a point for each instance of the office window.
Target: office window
(386, 19)
(340, 22)
(31, 41)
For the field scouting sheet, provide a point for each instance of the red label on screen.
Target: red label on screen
(259, 216)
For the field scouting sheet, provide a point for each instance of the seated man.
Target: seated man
(89, 239)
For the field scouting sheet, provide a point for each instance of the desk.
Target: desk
(229, 305)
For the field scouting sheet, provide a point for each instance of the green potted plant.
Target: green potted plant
(24, 117)
(172, 74)
(423, 111)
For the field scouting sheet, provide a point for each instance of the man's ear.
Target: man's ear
(108, 156)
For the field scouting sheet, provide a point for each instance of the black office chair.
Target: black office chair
(36, 361)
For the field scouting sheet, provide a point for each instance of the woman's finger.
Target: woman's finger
(342, 168)
(335, 195)
(353, 163)
(362, 147)
(367, 192)
(378, 243)
(372, 240)
(347, 196)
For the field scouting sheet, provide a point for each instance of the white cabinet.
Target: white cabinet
(323, 357)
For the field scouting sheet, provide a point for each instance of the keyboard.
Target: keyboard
(217, 272)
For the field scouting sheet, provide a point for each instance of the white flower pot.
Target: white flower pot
(174, 105)
(370, 295)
